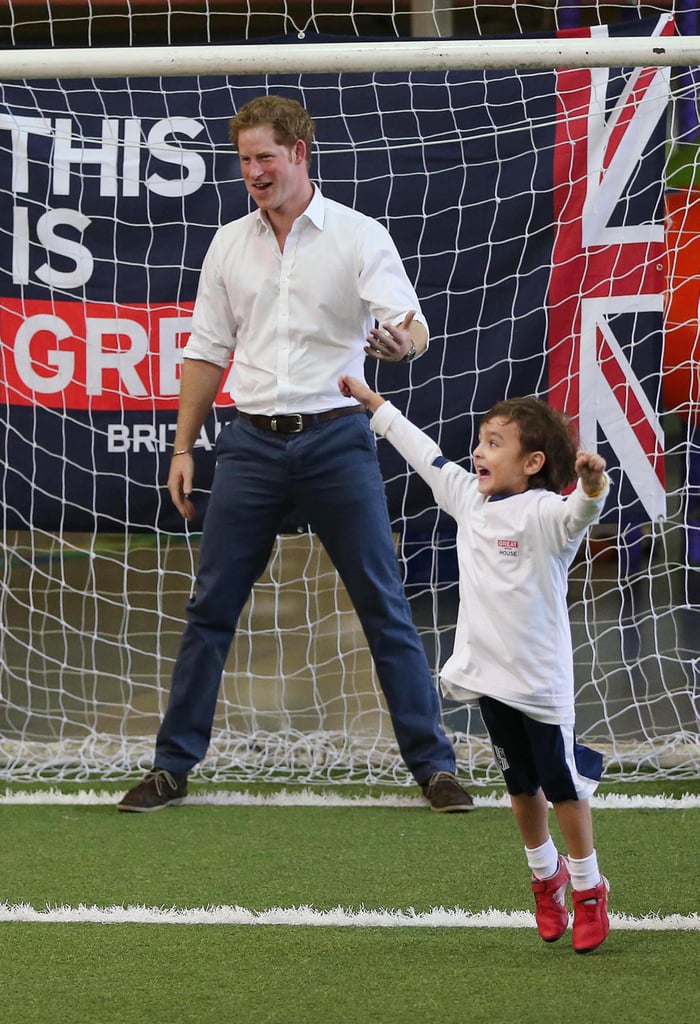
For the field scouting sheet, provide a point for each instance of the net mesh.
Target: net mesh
(109, 191)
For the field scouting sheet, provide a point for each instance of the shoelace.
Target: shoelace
(440, 777)
(160, 777)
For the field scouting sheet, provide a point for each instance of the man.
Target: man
(294, 289)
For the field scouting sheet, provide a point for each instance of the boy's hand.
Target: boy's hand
(351, 387)
(590, 469)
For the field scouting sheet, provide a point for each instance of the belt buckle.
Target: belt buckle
(295, 429)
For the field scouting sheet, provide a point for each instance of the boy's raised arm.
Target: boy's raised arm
(351, 387)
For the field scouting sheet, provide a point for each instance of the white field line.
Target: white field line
(339, 917)
(322, 798)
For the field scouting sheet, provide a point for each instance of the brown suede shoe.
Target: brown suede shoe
(157, 790)
(444, 794)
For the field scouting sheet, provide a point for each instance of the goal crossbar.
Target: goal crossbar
(389, 56)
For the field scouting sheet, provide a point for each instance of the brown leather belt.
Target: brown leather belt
(295, 422)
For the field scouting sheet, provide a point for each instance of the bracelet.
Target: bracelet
(600, 490)
(183, 451)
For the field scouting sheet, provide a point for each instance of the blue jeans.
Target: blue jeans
(329, 475)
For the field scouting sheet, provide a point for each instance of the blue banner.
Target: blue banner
(111, 191)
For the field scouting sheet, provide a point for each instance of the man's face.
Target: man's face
(275, 176)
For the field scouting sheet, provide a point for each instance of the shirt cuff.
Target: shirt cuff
(383, 418)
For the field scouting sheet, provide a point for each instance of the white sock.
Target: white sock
(543, 861)
(585, 873)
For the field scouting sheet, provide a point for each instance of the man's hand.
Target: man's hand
(180, 484)
(199, 383)
(590, 469)
(391, 342)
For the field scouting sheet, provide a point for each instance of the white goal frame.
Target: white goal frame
(393, 55)
(349, 57)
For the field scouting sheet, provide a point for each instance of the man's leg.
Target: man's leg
(247, 502)
(342, 491)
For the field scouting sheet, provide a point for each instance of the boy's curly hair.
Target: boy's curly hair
(287, 118)
(542, 429)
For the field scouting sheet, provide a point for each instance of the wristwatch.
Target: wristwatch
(411, 354)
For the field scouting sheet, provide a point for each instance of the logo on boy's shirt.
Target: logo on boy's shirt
(508, 548)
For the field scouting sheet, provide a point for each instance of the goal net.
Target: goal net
(548, 218)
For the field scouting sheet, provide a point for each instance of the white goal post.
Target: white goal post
(315, 58)
(104, 144)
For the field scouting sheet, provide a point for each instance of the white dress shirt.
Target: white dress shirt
(296, 320)
(513, 637)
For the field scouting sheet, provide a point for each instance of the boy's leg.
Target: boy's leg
(532, 817)
(531, 754)
(590, 888)
(550, 873)
(576, 824)
(570, 774)
(550, 876)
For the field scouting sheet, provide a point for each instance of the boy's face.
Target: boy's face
(499, 460)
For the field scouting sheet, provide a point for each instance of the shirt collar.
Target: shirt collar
(315, 212)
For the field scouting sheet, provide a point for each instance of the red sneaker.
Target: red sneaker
(550, 903)
(591, 923)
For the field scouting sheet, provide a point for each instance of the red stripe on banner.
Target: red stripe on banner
(568, 256)
(92, 355)
(630, 406)
(634, 268)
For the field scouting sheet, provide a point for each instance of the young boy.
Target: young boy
(516, 539)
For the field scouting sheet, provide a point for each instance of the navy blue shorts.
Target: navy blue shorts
(537, 755)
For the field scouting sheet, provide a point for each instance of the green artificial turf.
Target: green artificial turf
(152, 974)
(374, 858)
(261, 857)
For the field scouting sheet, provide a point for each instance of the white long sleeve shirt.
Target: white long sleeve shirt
(513, 637)
(296, 320)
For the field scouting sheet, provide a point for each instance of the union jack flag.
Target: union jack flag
(607, 271)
